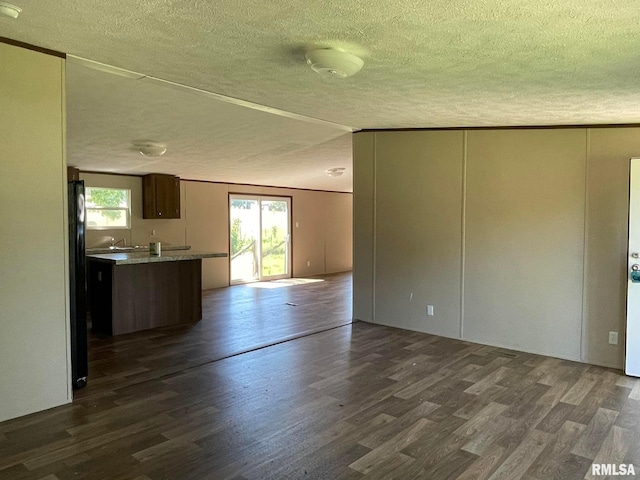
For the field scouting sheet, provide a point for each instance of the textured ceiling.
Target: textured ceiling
(207, 139)
(427, 63)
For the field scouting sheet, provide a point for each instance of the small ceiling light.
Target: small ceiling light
(333, 63)
(9, 10)
(335, 172)
(149, 148)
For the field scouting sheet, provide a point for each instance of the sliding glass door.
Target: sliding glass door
(259, 238)
(244, 228)
(274, 258)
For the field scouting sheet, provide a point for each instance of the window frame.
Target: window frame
(126, 209)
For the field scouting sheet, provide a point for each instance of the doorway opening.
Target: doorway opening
(259, 238)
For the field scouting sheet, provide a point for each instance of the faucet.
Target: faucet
(122, 240)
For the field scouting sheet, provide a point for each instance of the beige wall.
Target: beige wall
(208, 228)
(321, 225)
(609, 150)
(524, 239)
(34, 359)
(364, 260)
(518, 237)
(418, 260)
(338, 245)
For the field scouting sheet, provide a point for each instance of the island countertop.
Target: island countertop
(134, 249)
(144, 257)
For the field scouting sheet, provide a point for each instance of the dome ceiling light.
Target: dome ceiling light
(333, 63)
(150, 148)
(9, 10)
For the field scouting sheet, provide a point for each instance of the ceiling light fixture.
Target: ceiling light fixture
(9, 10)
(333, 63)
(150, 148)
(335, 172)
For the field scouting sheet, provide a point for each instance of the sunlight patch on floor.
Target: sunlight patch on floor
(284, 282)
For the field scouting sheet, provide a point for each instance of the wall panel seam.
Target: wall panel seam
(463, 220)
(375, 227)
(585, 242)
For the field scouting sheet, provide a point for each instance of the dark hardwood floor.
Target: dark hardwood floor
(234, 320)
(357, 401)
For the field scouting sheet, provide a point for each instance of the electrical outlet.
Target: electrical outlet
(308, 263)
(430, 310)
(613, 338)
(153, 233)
(411, 298)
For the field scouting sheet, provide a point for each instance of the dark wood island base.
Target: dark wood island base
(129, 298)
(141, 292)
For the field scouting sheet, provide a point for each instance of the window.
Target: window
(108, 208)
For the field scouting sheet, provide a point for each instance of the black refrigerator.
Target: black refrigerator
(78, 285)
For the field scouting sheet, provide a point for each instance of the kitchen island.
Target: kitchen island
(136, 291)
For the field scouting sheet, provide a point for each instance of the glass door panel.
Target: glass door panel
(244, 215)
(275, 238)
(259, 229)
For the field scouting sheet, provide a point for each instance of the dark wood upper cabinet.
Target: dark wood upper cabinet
(160, 196)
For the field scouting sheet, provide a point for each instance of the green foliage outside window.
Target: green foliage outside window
(108, 201)
(238, 241)
(107, 197)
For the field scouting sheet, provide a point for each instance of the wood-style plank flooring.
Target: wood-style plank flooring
(357, 401)
(234, 320)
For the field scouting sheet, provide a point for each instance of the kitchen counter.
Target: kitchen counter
(130, 258)
(136, 248)
(136, 291)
